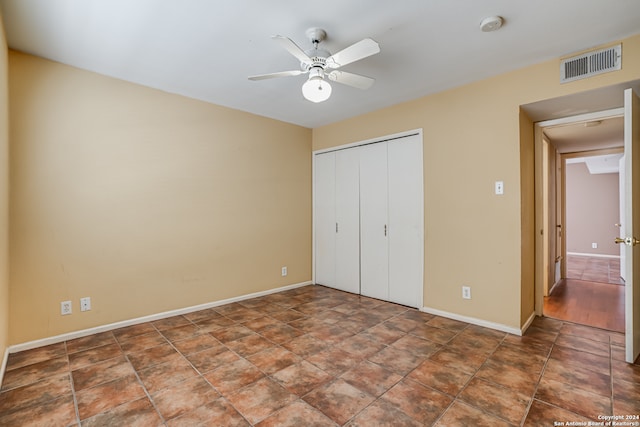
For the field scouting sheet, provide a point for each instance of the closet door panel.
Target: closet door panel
(325, 219)
(406, 221)
(374, 267)
(347, 255)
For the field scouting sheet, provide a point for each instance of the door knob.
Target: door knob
(630, 241)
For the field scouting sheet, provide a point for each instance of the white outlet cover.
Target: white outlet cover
(85, 304)
(65, 308)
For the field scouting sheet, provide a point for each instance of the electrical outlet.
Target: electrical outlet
(594, 246)
(65, 308)
(85, 304)
(466, 292)
(499, 187)
(284, 271)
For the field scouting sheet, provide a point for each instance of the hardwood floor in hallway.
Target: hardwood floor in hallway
(592, 295)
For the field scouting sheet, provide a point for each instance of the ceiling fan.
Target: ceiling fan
(317, 62)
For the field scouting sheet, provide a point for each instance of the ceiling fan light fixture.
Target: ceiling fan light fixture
(316, 89)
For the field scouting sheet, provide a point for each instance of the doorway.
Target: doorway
(586, 106)
(586, 284)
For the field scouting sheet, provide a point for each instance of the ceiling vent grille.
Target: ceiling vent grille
(590, 64)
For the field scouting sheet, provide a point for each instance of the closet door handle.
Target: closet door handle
(385, 230)
(336, 227)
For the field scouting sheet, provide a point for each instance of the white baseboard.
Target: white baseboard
(474, 321)
(3, 367)
(593, 255)
(111, 326)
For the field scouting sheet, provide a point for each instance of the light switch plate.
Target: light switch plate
(499, 187)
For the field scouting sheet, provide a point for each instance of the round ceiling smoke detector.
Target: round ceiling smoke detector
(491, 23)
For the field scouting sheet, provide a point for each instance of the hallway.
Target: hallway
(592, 294)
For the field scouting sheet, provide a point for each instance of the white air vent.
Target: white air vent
(591, 63)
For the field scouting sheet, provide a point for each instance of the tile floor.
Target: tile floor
(594, 269)
(314, 356)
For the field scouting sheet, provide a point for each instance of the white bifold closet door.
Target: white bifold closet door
(374, 254)
(406, 221)
(369, 220)
(325, 218)
(337, 220)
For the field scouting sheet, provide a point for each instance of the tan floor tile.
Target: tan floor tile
(141, 342)
(442, 378)
(513, 378)
(137, 413)
(56, 412)
(462, 415)
(218, 412)
(133, 331)
(170, 322)
(578, 377)
(573, 399)
(102, 372)
(415, 362)
(301, 378)
(274, 359)
(85, 343)
(35, 372)
(456, 359)
(249, 345)
(233, 376)
(94, 355)
(339, 400)
(371, 378)
(104, 397)
(497, 400)
(543, 414)
(396, 360)
(418, 346)
(184, 397)
(260, 399)
(161, 376)
(153, 356)
(382, 413)
(421, 403)
(196, 343)
(305, 345)
(361, 346)
(299, 413)
(181, 332)
(29, 357)
(334, 361)
(35, 394)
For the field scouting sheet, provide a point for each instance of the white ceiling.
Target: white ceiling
(205, 49)
(592, 135)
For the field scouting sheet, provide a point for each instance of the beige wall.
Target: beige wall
(4, 195)
(145, 201)
(473, 136)
(592, 210)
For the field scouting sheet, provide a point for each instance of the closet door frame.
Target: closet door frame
(387, 138)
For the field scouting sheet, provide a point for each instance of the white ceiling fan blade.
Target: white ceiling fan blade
(350, 79)
(274, 75)
(293, 49)
(355, 52)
